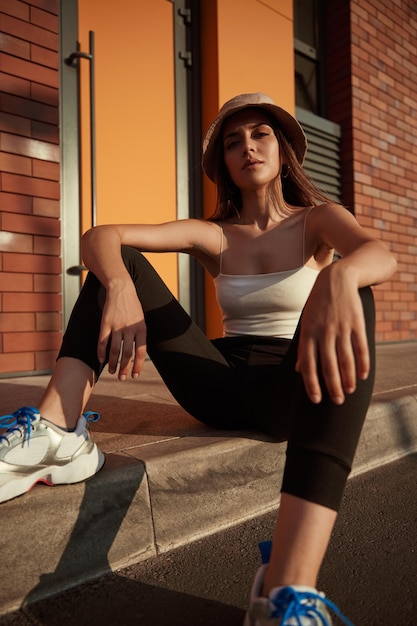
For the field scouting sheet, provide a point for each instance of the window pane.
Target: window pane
(306, 83)
(305, 21)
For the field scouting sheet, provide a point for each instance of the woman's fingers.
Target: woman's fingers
(340, 359)
(127, 352)
(139, 356)
(103, 341)
(333, 346)
(307, 366)
(361, 350)
(125, 357)
(122, 336)
(132, 353)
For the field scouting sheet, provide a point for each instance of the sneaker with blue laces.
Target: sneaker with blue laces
(32, 450)
(294, 605)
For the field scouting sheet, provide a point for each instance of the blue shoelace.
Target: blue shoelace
(291, 603)
(89, 416)
(23, 418)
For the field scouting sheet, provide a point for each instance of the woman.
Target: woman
(296, 360)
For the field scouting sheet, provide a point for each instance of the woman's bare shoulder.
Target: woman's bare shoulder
(323, 211)
(205, 242)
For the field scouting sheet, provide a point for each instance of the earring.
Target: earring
(286, 171)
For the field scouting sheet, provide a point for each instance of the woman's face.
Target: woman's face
(251, 149)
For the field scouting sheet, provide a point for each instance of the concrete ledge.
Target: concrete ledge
(199, 487)
(390, 431)
(176, 483)
(60, 537)
(176, 492)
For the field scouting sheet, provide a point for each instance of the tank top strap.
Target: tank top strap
(304, 233)
(221, 247)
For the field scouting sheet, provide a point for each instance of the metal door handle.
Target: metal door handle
(72, 61)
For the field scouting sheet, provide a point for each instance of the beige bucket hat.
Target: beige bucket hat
(285, 121)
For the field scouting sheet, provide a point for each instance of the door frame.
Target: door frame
(186, 24)
(70, 158)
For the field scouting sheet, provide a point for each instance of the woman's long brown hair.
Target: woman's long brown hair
(295, 186)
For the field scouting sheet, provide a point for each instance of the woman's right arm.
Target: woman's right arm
(123, 320)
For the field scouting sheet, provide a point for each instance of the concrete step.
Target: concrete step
(167, 480)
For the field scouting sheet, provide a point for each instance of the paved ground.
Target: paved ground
(370, 570)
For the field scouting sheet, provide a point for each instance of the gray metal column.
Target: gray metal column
(188, 145)
(70, 158)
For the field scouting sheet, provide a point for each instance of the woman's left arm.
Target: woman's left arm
(333, 331)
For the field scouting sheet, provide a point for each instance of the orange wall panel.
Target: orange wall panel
(256, 49)
(247, 46)
(135, 116)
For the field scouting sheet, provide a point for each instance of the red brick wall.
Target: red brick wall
(30, 264)
(372, 71)
(372, 90)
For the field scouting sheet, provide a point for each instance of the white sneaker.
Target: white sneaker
(34, 450)
(295, 605)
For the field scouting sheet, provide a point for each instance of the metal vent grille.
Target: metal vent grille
(322, 161)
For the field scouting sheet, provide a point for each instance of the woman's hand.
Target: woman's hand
(124, 325)
(333, 336)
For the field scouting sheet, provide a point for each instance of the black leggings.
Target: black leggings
(238, 382)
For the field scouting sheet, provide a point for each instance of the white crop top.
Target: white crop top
(266, 305)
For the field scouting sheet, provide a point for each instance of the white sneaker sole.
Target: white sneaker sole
(81, 468)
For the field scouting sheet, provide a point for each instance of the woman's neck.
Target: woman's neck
(257, 210)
